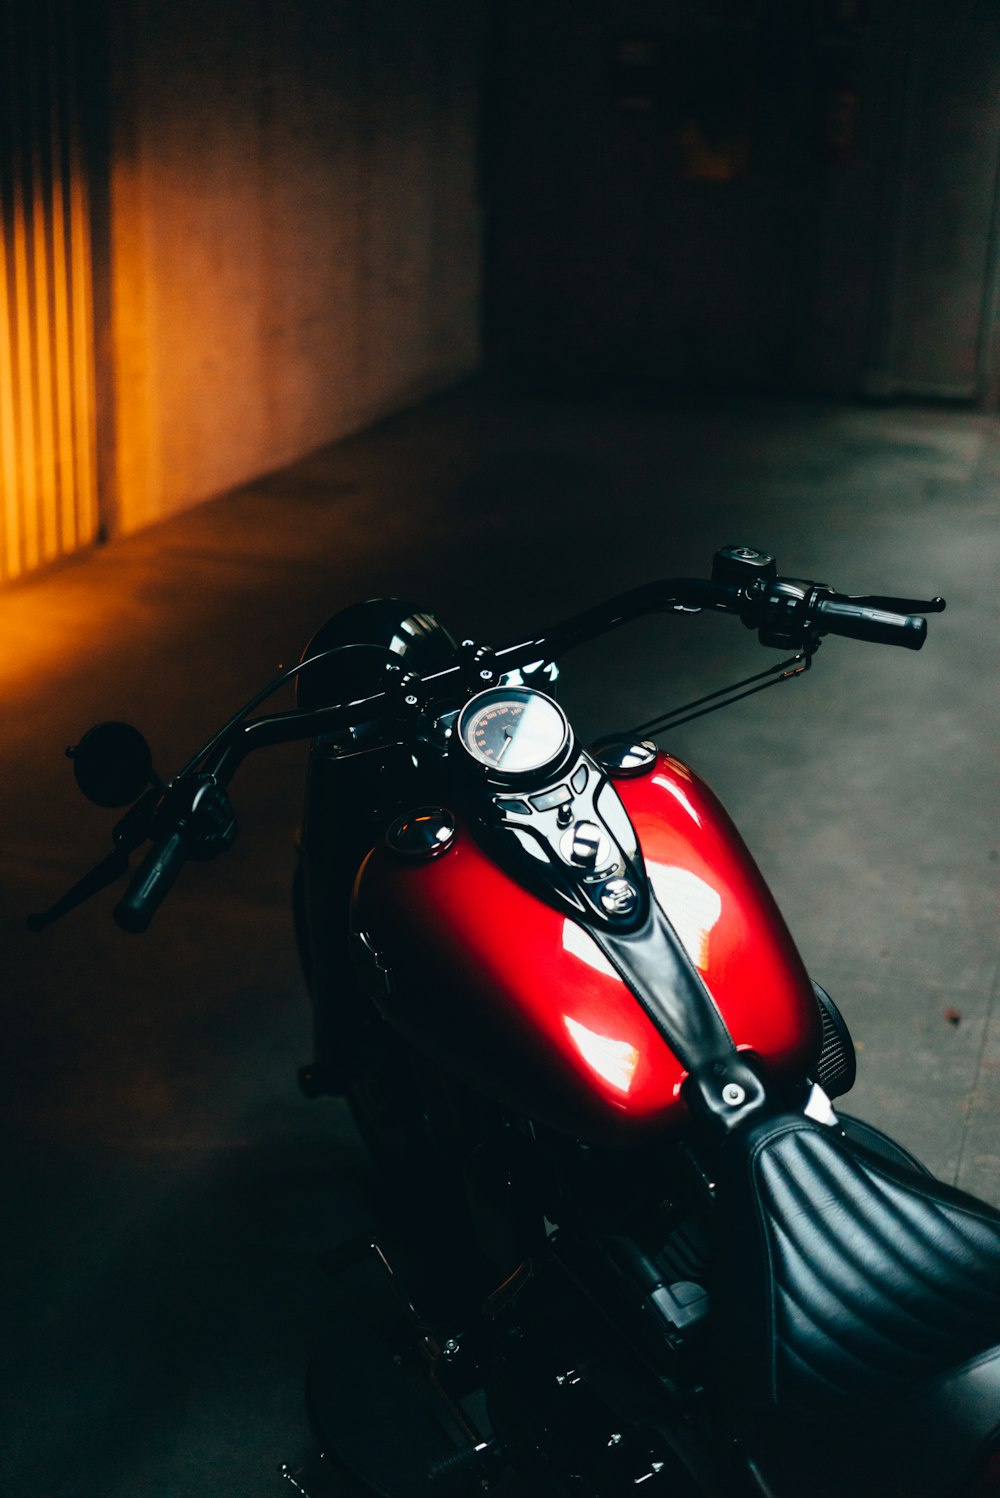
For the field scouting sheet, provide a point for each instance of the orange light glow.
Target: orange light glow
(614, 1060)
(47, 412)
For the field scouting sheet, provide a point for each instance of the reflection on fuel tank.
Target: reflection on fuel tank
(614, 1060)
(691, 905)
(677, 793)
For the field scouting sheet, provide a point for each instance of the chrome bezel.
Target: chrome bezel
(422, 833)
(501, 694)
(625, 758)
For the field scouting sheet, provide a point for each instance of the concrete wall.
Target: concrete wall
(751, 193)
(937, 329)
(294, 230)
(655, 214)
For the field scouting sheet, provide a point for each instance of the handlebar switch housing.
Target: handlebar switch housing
(208, 823)
(781, 612)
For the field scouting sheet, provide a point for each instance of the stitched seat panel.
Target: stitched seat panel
(860, 1276)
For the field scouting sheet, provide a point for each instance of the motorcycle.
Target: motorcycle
(626, 1240)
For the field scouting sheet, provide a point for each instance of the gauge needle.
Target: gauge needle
(507, 739)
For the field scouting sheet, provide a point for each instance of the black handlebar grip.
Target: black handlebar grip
(151, 884)
(840, 616)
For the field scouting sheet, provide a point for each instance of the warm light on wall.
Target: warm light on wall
(48, 495)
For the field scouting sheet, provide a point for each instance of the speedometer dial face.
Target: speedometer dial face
(513, 730)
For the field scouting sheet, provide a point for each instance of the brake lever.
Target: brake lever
(897, 605)
(133, 829)
(99, 877)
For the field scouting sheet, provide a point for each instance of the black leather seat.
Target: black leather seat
(860, 1314)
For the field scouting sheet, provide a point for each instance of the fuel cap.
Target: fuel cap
(623, 757)
(425, 832)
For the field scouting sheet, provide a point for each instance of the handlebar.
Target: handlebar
(194, 819)
(846, 616)
(791, 614)
(152, 883)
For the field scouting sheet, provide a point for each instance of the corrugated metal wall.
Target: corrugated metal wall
(48, 489)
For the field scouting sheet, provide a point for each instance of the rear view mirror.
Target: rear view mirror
(112, 764)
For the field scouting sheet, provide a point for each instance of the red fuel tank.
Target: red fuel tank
(510, 993)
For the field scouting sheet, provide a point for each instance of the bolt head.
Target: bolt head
(619, 897)
(733, 1094)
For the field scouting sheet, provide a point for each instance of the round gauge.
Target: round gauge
(513, 730)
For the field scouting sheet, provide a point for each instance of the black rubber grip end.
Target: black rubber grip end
(878, 626)
(151, 884)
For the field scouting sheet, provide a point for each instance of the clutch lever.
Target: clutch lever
(99, 877)
(133, 829)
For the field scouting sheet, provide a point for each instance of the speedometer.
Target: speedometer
(514, 730)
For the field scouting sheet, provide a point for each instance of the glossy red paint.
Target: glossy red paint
(724, 913)
(502, 988)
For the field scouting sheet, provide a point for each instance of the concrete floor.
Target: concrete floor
(168, 1193)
